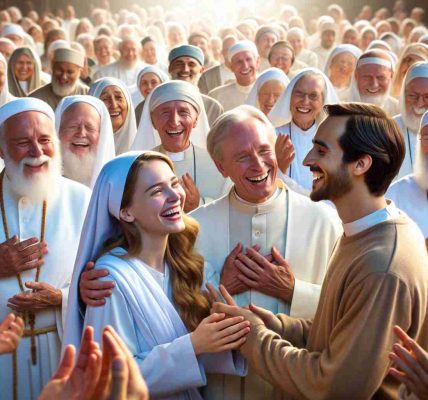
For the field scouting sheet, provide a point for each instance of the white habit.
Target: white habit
(64, 220)
(304, 232)
(410, 139)
(116, 70)
(231, 95)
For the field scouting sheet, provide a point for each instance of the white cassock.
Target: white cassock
(164, 351)
(197, 162)
(410, 140)
(409, 197)
(322, 55)
(302, 142)
(116, 70)
(231, 95)
(304, 232)
(64, 221)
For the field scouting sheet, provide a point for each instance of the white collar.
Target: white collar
(244, 89)
(306, 132)
(269, 200)
(376, 217)
(176, 156)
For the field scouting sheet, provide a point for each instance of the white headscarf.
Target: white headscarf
(125, 136)
(136, 95)
(5, 95)
(147, 136)
(281, 113)
(21, 104)
(105, 147)
(339, 49)
(270, 74)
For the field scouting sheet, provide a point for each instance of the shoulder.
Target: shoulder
(114, 263)
(212, 70)
(405, 182)
(75, 193)
(209, 211)
(221, 89)
(40, 91)
(210, 101)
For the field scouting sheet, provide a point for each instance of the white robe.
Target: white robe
(116, 70)
(231, 95)
(410, 139)
(409, 197)
(64, 221)
(197, 162)
(308, 57)
(302, 142)
(322, 55)
(303, 231)
(169, 364)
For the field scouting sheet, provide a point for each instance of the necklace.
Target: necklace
(410, 147)
(31, 315)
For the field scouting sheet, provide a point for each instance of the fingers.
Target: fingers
(248, 270)
(13, 240)
(233, 345)
(261, 312)
(226, 309)
(257, 259)
(215, 317)
(277, 257)
(402, 336)
(66, 364)
(90, 277)
(235, 332)
(236, 250)
(226, 295)
(213, 293)
(119, 379)
(37, 262)
(6, 323)
(38, 285)
(21, 246)
(420, 354)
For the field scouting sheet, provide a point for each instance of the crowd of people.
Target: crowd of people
(229, 205)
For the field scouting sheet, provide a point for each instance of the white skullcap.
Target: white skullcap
(58, 44)
(417, 70)
(339, 49)
(8, 41)
(386, 62)
(328, 26)
(13, 29)
(242, 45)
(281, 113)
(270, 74)
(423, 39)
(105, 147)
(24, 104)
(154, 70)
(374, 44)
(147, 137)
(296, 31)
(70, 56)
(424, 121)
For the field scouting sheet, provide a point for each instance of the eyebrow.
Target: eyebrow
(320, 143)
(159, 184)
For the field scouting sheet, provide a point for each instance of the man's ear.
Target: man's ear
(221, 169)
(126, 215)
(362, 165)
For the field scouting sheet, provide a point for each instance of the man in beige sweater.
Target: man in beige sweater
(377, 275)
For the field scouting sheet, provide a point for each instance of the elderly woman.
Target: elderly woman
(115, 95)
(340, 66)
(24, 72)
(297, 114)
(147, 79)
(267, 89)
(282, 56)
(174, 122)
(411, 54)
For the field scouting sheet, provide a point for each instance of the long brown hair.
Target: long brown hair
(186, 265)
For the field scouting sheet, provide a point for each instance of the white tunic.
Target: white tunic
(116, 70)
(302, 142)
(198, 163)
(308, 57)
(322, 55)
(169, 364)
(410, 139)
(231, 95)
(64, 220)
(303, 231)
(409, 197)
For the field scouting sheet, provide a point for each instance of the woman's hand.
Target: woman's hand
(216, 333)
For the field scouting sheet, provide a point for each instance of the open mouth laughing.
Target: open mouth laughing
(172, 214)
(259, 179)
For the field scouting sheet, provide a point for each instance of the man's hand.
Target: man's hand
(16, 256)
(192, 193)
(78, 382)
(11, 330)
(411, 364)
(268, 317)
(92, 290)
(284, 151)
(229, 274)
(43, 296)
(272, 278)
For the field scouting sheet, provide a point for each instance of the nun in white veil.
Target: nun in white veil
(301, 126)
(136, 95)
(269, 86)
(74, 166)
(124, 136)
(5, 95)
(143, 307)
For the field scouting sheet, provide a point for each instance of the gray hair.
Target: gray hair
(221, 129)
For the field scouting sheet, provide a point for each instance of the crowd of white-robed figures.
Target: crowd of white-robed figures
(285, 68)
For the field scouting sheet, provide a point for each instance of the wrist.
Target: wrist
(195, 342)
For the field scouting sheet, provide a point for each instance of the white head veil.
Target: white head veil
(339, 49)
(105, 147)
(5, 95)
(136, 95)
(125, 136)
(281, 113)
(147, 137)
(270, 74)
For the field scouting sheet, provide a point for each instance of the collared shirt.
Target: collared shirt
(376, 217)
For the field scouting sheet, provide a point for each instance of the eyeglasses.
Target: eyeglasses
(312, 96)
(281, 58)
(414, 97)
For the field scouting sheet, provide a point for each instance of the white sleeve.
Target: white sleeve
(305, 299)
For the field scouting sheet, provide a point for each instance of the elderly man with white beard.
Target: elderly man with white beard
(67, 66)
(86, 135)
(372, 81)
(410, 192)
(36, 252)
(413, 103)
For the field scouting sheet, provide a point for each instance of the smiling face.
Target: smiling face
(148, 52)
(373, 81)
(174, 121)
(281, 58)
(148, 82)
(103, 51)
(248, 158)
(117, 106)
(341, 68)
(296, 41)
(268, 95)
(416, 101)
(157, 201)
(23, 68)
(186, 69)
(307, 100)
(332, 178)
(327, 39)
(245, 65)
(129, 52)
(265, 42)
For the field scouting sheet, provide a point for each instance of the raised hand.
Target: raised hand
(43, 296)
(284, 151)
(93, 291)
(192, 193)
(11, 330)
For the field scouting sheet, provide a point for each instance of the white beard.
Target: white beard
(420, 168)
(39, 186)
(412, 120)
(376, 100)
(63, 90)
(78, 168)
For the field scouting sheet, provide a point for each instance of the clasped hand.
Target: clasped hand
(43, 296)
